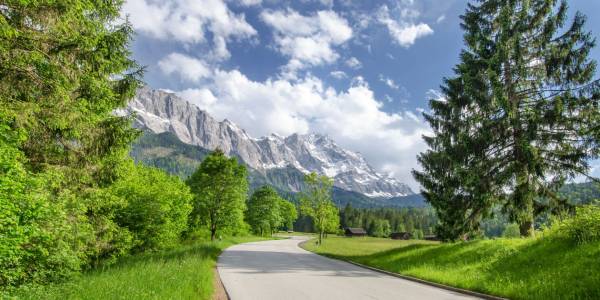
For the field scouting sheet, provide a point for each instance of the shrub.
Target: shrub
(582, 228)
(157, 209)
(38, 242)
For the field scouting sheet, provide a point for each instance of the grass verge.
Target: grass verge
(182, 273)
(509, 268)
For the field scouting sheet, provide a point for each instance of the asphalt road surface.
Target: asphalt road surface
(282, 270)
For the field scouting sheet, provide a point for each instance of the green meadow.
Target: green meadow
(184, 272)
(519, 268)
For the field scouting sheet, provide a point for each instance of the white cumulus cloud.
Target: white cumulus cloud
(307, 40)
(403, 31)
(187, 21)
(354, 63)
(353, 118)
(338, 74)
(388, 81)
(189, 68)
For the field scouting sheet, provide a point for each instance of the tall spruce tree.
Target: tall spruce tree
(65, 67)
(521, 117)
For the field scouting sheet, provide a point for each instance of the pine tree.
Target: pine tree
(521, 117)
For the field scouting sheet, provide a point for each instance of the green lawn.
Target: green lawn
(510, 268)
(297, 233)
(181, 273)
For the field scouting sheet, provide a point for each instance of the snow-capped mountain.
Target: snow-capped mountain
(160, 111)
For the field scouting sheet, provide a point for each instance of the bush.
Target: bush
(582, 228)
(157, 209)
(38, 242)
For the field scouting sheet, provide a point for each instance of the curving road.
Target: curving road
(282, 270)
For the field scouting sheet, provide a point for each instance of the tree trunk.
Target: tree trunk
(271, 232)
(320, 237)
(212, 238)
(527, 228)
(261, 232)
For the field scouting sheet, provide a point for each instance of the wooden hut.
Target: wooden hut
(401, 236)
(431, 238)
(355, 232)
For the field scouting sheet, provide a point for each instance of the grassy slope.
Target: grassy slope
(181, 273)
(511, 268)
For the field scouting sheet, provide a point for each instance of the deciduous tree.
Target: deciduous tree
(314, 201)
(219, 187)
(262, 209)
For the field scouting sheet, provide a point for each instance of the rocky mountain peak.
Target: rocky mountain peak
(160, 111)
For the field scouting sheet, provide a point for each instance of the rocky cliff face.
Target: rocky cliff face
(160, 111)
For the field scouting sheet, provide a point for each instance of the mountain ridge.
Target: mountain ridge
(160, 111)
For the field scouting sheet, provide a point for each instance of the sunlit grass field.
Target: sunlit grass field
(182, 273)
(511, 268)
(297, 233)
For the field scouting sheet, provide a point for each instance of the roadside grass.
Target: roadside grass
(182, 273)
(511, 268)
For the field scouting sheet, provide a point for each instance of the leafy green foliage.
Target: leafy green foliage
(64, 69)
(580, 193)
(511, 231)
(38, 243)
(219, 187)
(406, 219)
(262, 209)
(582, 228)
(157, 208)
(287, 213)
(314, 201)
(521, 117)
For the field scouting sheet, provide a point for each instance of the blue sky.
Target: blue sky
(360, 71)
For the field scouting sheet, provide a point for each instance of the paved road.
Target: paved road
(281, 270)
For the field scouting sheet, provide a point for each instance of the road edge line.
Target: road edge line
(430, 283)
(439, 285)
(219, 275)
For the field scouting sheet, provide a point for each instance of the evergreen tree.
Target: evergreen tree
(219, 187)
(64, 68)
(521, 117)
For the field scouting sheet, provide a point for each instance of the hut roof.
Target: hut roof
(399, 234)
(356, 230)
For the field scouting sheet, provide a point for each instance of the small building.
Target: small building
(401, 236)
(431, 238)
(355, 232)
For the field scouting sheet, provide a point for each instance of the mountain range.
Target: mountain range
(276, 160)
